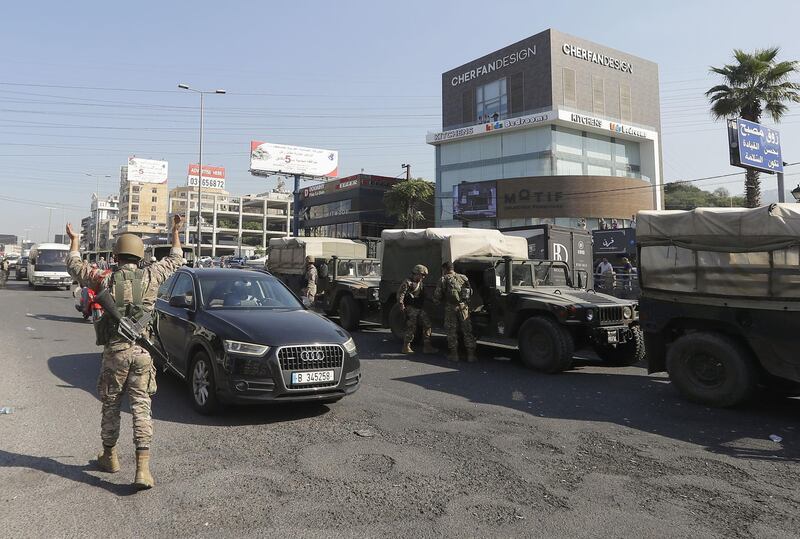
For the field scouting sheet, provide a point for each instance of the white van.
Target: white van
(47, 266)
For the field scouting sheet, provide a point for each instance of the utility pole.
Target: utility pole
(49, 222)
(199, 170)
(781, 188)
(296, 212)
(407, 166)
(97, 212)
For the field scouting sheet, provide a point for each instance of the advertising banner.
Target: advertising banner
(491, 127)
(266, 158)
(475, 200)
(754, 146)
(213, 177)
(147, 170)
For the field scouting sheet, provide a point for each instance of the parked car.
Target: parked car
(244, 337)
(257, 262)
(236, 262)
(21, 271)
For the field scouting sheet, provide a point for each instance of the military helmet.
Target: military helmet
(419, 269)
(129, 244)
(309, 259)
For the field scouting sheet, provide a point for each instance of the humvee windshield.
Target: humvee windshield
(533, 273)
(358, 268)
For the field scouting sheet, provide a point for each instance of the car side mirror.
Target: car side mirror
(180, 302)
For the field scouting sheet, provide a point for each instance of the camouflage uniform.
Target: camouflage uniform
(4, 271)
(415, 314)
(310, 277)
(126, 366)
(450, 290)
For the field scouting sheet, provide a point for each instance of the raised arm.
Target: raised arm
(167, 266)
(80, 270)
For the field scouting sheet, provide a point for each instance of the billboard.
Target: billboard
(213, 177)
(754, 146)
(147, 170)
(268, 158)
(475, 200)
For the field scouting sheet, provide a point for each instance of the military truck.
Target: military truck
(348, 281)
(537, 306)
(720, 304)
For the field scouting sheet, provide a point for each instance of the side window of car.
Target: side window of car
(163, 290)
(184, 286)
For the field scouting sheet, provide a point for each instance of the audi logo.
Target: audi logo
(312, 355)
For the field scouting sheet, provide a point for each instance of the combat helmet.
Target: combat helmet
(129, 244)
(419, 269)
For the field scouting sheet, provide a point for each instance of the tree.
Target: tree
(685, 196)
(755, 84)
(406, 198)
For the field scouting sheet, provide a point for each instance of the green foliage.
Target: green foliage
(685, 196)
(755, 84)
(406, 198)
(252, 225)
(251, 240)
(226, 222)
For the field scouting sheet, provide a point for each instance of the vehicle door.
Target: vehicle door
(162, 302)
(176, 320)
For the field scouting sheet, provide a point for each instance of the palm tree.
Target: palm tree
(755, 84)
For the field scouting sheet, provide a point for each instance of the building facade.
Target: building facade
(142, 206)
(552, 129)
(232, 225)
(350, 207)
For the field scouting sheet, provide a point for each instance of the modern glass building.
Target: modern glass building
(552, 129)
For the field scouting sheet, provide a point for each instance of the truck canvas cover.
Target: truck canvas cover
(287, 255)
(434, 246)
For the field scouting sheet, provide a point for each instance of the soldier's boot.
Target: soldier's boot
(471, 357)
(428, 348)
(452, 355)
(107, 460)
(143, 478)
(407, 348)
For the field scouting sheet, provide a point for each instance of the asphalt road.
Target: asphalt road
(461, 450)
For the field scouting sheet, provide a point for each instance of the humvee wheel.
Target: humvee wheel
(545, 346)
(397, 322)
(712, 369)
(349, 313)
(624, 354)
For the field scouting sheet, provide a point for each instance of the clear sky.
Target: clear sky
(83, 85)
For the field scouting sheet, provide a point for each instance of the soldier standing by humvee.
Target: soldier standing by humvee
(411, 298)
(309, 290)
(125, 365)
(454, 291)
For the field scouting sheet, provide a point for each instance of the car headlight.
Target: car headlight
(589, 315)
(627, 313)
(350, 346)
(245, 348)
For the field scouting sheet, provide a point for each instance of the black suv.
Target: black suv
(240, 336)
(534, 305)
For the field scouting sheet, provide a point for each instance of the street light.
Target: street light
(199, 169)
(796, 193)
(97, 210)
(49, 219)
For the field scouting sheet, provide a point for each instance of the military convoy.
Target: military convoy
(720, 304)
(348, 281)
(534, 305)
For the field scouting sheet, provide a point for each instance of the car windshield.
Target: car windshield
(51, 258)
(244, 290)
(358, 268)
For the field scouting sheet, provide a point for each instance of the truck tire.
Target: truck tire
(625, 354)
(397, 322)
(545, 346)
(712, 369)
(349, 313)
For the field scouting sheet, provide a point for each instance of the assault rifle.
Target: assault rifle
(133, 331)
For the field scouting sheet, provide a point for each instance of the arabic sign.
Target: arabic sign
(754, 146)
(146, 170)
(282, 159)
(212, 176)
(615, 241)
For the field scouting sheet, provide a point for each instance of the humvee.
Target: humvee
(720, 304)
(536, 306)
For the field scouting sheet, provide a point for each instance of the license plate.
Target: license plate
(612, 336)
(312, 377)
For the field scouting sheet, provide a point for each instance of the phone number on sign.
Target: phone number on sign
(208, 182)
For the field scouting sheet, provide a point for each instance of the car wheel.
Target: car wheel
(202, 385)
(349, 313)
(545, 346)
(712, 369)
(397, 322)
(624, 354)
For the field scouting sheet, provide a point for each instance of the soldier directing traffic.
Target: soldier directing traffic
(454, 291)
(411, 298)
(126, 366)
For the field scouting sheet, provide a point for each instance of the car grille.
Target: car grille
(295, 358)
(610, 315)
